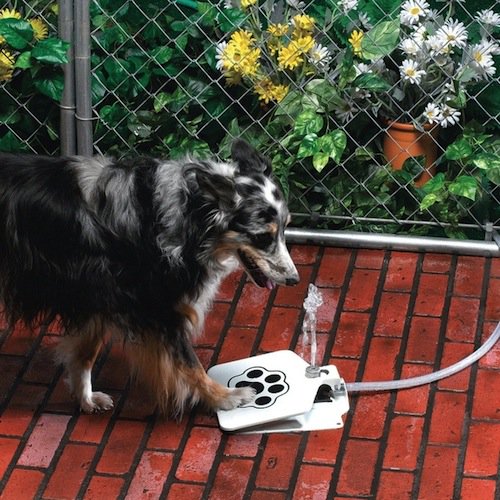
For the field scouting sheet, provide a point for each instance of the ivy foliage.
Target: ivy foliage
(31, 82)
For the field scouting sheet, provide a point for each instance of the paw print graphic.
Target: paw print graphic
(269, 385)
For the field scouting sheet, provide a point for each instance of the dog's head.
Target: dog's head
(256, 216)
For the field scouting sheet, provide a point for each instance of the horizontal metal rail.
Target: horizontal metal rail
(354, 239)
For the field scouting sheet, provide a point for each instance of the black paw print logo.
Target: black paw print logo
(269, 385)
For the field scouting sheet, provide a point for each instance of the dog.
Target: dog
(136, 248)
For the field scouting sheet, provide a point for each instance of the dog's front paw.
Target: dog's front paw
(237, 397)
(99, 401)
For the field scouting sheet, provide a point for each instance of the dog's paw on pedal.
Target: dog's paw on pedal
(238, 397)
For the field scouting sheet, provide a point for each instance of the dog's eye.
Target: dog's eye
(262, 240)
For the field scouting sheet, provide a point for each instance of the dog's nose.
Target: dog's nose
(292, 281)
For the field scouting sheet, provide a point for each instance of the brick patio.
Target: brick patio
(386, 315)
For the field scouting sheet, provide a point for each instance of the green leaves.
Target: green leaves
(308, 122)
(464, 185)
(35, 57)
(51, 51)
(372, 82)
(478, 150)
(324, 148)
(459, 150)
(381, 40)
(17, 32)
(489, 164)
(51, 85)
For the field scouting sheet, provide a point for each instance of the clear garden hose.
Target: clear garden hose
(314, 300)
(407, 383)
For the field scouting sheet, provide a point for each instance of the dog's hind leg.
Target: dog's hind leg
(77, 352)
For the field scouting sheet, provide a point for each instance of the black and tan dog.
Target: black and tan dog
(137, 248)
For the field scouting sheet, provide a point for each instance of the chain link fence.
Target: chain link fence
(315, 86)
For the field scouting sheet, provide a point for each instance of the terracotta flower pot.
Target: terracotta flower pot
(403, 141)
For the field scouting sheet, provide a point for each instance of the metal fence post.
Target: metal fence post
(83, 78)
(67, 106)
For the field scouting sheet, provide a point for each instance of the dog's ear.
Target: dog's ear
(249, 160)
(217, 188)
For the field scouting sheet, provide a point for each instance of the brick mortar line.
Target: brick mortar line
(129, 476)
(459, 471)
(50, 469)
(28, 357)
(101, 446)
(361, 368)
(433, 387)
(390, 412)
(36, 414)
(190, 424)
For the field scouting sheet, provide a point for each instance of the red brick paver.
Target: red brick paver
(386, 315)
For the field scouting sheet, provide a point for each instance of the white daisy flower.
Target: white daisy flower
(482, 60)
(410, 47)
(378, 66)
(345, 113)
(219, 55)
(360, 93)
(487, 16)
(409, 71)
(296, 4)
(450, 116)
(320, 56)
(452, 34)
(365, 21)
(491, 46)
(437, 47)
(362, 68)
(412, 11)
(348, 5)
(418, 34)
(432, 113)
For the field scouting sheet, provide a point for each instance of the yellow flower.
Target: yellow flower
(9, 13)
(250, 63)
(244, 61)
(273, 46)
(304, 44)
(242, 39)
(247, 3)
(232, 78)
(40, 29)
(280, 92)
(355, 40)
(7, 61)
(303, 22)
(240, 55)
(277, 29)
(267, 91)
(290, 57)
